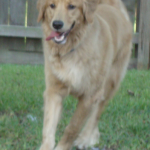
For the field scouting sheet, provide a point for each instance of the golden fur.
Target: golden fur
(101, 39)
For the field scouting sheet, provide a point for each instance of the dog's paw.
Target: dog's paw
(84, 141)
(47, 146)
(95, 148)
(92, 148)
(63, 147)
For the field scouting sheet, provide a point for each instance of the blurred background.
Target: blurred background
(124, 125)
(20, 34)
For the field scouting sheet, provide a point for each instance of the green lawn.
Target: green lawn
(125, 124)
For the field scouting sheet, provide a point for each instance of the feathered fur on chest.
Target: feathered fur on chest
(76, 70)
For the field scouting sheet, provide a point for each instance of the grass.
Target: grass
(124, 125)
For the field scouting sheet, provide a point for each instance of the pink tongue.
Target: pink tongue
(52, 35)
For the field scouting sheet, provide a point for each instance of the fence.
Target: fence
(141, 39)
(20, 34)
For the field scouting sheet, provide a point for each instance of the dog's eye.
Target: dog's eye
(52, 6)
(71, 7)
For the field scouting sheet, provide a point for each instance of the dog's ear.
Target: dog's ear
(89, 7)
(41, 9)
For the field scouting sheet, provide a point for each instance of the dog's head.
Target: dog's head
(64, 17)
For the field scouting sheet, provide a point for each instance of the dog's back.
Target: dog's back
(118, 22)
(118, 4)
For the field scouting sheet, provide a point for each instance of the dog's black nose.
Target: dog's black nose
(58, 24)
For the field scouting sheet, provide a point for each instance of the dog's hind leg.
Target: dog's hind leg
(90, 133)
(72, 130)
(89, 136)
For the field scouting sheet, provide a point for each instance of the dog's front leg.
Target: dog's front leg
(52, 110)
(72, 130)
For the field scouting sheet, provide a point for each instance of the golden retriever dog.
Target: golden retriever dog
(87, 47)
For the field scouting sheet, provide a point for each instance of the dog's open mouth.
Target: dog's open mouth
(60, 37)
